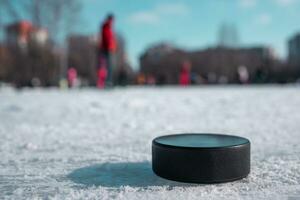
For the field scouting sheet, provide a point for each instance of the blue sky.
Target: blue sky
(194, 24)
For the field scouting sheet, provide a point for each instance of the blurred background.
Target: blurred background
(44, 42)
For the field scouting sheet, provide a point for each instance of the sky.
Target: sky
(194, 24)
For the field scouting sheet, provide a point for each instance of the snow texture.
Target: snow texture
(91, 144)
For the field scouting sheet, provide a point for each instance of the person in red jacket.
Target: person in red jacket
(185, 74)
(72, 77)
(108, 47)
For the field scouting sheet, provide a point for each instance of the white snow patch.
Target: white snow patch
(91, 144)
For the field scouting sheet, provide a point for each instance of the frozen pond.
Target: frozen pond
(91, 144)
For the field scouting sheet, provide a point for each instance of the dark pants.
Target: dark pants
(109, 63)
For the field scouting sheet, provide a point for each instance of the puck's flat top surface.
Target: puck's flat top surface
(193, 140)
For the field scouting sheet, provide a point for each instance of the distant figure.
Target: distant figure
(141, 79)
(72, 77)
(243, 74)
(151, 80)
(35, 82)
(108, 47)
(260, 76)
(185, 74)
(102, 74)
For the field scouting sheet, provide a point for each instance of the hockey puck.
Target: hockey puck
(201, 158)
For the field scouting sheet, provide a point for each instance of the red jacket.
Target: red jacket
(108, 40)
(184, 78)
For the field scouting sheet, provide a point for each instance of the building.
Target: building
(228, 36)
(4, 63)
(82, 54)
(163, 62)
(213, 65)
(123, 74)
(294, 50)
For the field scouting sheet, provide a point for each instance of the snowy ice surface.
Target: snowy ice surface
(91, 144)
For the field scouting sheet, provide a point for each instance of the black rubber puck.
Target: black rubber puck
(201, 158)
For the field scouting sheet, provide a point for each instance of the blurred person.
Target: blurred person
(194, 78)
(151, 80)
(260, 76)
(185, 74)
(102, 74)
(108, 47)
(243, 74)
(198, 79)
(63, 83)
(141, 79)
(35, 82)
(72, 77)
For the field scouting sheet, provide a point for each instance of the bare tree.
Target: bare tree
(58, 16)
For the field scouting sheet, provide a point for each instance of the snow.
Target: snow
(91, 144)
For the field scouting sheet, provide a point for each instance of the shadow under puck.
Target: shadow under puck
(201, 158)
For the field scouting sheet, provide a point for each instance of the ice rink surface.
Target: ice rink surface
(91, 144)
